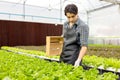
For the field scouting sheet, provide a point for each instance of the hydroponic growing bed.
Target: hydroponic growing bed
(13, 66)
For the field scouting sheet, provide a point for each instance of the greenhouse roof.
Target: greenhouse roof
(84, 5)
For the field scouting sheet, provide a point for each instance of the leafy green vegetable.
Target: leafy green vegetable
(17, 67)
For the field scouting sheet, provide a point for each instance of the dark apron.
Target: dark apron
(71, 48)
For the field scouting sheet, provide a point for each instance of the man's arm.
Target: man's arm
(82, 52)
(84, 44)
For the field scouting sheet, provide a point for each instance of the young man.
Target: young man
(75, 34)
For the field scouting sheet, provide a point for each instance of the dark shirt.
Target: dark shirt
(81, 29)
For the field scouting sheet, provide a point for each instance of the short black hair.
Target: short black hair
(71, 8)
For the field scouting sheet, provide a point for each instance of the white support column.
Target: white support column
(24, 2)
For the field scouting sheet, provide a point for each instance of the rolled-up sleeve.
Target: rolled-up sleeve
(84, 33)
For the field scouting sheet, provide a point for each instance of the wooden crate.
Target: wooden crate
(54, 45)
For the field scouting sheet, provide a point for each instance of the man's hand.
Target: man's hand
(77, 62)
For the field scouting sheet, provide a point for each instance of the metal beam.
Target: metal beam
(100, 8)
(112, 1)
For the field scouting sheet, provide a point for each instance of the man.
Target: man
(75, 34)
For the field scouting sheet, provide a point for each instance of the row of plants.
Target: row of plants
(93, 49)
(104, 50)
(104, 45)
(111, 64)
(94, 61)
(21, 67)
(35, 52)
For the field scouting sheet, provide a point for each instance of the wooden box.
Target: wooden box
(54, 45)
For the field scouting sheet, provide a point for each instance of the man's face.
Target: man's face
(72, 18)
